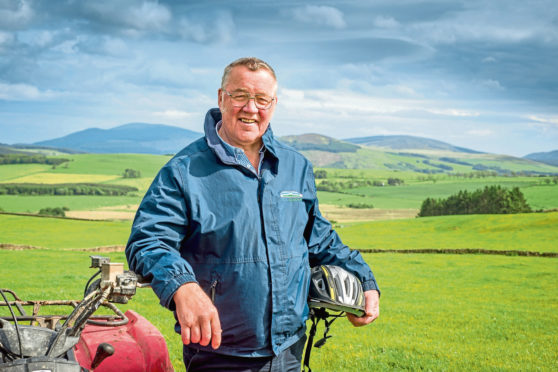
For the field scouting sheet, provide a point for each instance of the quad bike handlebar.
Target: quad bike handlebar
(36, 347)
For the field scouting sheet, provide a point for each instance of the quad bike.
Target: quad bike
(81, 341)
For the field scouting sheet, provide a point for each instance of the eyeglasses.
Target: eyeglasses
(240, 99)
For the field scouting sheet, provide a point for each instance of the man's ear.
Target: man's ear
(220, 99)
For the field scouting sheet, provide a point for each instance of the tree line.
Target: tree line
(30, 159)
(490, 200)
(65, 189)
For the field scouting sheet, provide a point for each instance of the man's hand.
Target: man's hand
(372, 308)
(197, 316)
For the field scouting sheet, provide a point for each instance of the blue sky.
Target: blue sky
(477, 74)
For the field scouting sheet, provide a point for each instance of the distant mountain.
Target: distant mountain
(139, 138)
(407, 153)
(306, 142)
(550, 157)
(408, 143)
(7, 149)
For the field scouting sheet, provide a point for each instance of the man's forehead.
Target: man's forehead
(243, 79)
(238, 71)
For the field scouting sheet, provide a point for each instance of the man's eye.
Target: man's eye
(264, 100)
(240, 97)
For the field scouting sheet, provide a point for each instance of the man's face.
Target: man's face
(244, 126)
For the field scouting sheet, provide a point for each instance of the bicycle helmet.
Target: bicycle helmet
(333, 287)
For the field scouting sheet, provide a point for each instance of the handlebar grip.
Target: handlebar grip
(104, 350)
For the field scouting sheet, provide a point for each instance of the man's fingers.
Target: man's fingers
(359, 321)
(198, 316)
(215, 332)
(205, 332)
(185, 335)
(195, 334)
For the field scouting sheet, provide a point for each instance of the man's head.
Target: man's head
(247, 100)
(251, 63)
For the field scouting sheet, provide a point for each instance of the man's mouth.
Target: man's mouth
(247, 121)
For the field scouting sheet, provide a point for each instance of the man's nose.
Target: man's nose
(250, 106)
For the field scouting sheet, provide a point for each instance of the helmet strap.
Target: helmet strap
(317, 314)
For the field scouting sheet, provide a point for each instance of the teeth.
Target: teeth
(247, 121)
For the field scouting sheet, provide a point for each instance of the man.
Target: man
(228, 231)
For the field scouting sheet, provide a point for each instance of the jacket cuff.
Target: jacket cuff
(370, 285)
(166, 296)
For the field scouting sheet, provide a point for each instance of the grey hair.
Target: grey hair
(252, 63)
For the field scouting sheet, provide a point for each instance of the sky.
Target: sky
(474, 73)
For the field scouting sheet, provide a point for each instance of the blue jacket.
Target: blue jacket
(248, 240)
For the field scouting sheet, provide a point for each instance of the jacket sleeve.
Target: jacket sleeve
(160, 224)
(325, 246)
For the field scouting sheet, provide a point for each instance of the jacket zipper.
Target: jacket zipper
(212, 290)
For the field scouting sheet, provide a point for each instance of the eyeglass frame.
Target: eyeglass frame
(250, 98)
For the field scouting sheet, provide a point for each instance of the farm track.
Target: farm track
(120, 248)
(473, 251)
(22, 247)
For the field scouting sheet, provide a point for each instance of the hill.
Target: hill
(550, 157)
(139, 138)
(306, 142)
(398, 153)
(409, 154)
(408, 143)
(7, 149)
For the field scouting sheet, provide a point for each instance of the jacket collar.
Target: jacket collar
(226, 153)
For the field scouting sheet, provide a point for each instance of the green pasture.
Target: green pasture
(538, 194)
(57, 233)
(9, 172)
(32, 204)
(108, 168)
(522, 232)
(114, 164)
(438, 312)
(89, 164)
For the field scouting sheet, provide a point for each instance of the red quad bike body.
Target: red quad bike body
(31, 340)
(138, 346)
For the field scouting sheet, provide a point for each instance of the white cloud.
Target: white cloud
(145, 16)
(291, 94)
(553, 120)
(103, 46)
(403, 90)
(489, 59)
(321, 15)
(220, 30)
(491, 84)
(150, 15)
(14, 14)
(453, 112)
(23, 92)
(42, 38)
(502, 22)
(480, 132)
(6, 38)
(385, 22)
(174, 114)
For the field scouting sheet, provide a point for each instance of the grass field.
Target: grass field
(108, 168)
(113, 164)
(439, 312)
(411, 195)
(56, 233)
(525, 232)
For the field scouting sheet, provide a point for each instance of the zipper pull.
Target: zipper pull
(212, 290)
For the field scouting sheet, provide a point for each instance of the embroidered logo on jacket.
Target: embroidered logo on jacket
(291, 195)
